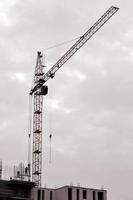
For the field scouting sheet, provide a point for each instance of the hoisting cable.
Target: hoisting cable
(50, 153)
(29, 136)
(50, 113)
(50, 125)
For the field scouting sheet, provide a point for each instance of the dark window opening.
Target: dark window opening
(100, 196)
(77, 194)
(69, 193)
(42, 194)
(51, 195)
(84, 194)
(94, 195)
(38, 194)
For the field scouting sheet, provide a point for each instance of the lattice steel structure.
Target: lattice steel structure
(39, 90)
(37, 123)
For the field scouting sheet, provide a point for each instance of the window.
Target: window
(77, 194)
(94, 195)
(100, 196)
(38, 194)
(69, 193)
(42, 194)
(51, 195)
(84, 194)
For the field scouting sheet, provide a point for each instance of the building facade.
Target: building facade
(68, 193)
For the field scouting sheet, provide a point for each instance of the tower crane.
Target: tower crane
(40, 89)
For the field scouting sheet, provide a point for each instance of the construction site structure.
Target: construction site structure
(15, 189)
(39, 90)
(19, 186)
(0, 169)
(68, 193)
(21, 172)
(25, 190)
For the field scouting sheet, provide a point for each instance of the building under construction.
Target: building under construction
(30, 188)
(68, 193)
(21, 188)
(15, 189)
(24, 190)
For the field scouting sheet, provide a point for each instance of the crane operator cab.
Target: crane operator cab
(44, 90)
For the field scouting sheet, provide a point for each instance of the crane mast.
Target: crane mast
(37, 124)
(39, 90)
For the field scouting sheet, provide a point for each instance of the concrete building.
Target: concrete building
(15, 189)
(68, 193)
(25, 190)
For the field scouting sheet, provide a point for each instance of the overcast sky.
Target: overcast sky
(90, 99)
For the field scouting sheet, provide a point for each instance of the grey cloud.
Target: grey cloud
(98, 130)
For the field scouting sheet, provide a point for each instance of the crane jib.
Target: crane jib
(81, 41)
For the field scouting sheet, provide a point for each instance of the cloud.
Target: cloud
(18, 76)
(5, 7)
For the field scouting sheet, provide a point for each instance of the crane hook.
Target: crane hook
(50, 137)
